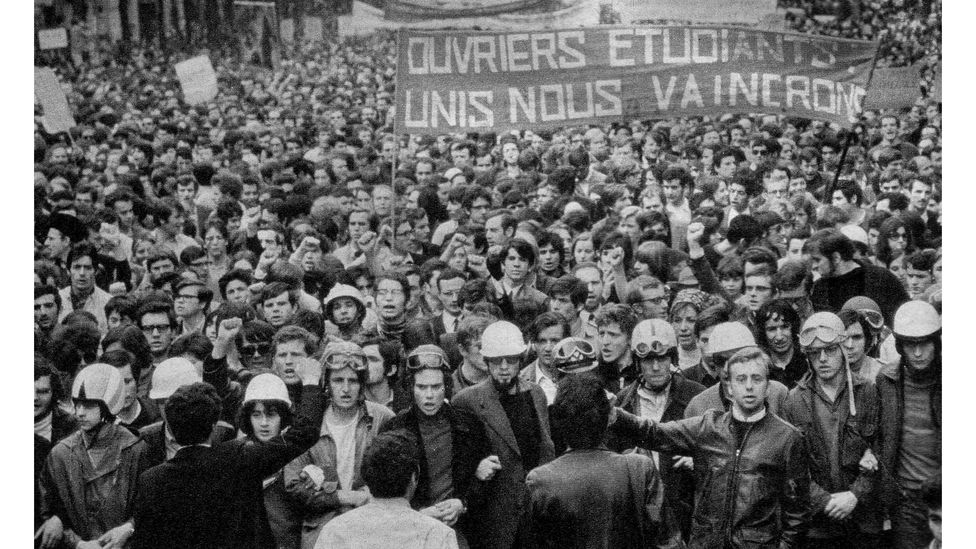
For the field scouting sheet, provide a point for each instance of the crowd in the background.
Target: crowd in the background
(269, 321)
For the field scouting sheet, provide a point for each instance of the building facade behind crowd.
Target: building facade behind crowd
(269, 321)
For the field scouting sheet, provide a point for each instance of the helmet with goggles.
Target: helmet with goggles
(821, 330)
(343, 354)
(427, 356)
(574, 355)
(653, 336)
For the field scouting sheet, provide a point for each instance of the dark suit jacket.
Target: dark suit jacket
(430, 330)
(505, 494)
(211, 497)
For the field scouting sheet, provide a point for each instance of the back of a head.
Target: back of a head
(581, 410)
(191, 413)
(389, 463)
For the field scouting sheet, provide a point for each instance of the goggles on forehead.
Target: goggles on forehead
(421, 361)
(874, 318)
(656, 347)
(339, 361)
(572, 351)
(825, 334)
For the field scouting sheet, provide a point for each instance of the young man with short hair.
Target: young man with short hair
(82, 293)
(615, 323)
(568, 296)
(278, 304)
(544, 333)
(190, 303)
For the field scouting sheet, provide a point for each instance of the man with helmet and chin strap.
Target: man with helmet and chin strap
(88, 486)
(838, 414)
(516, 418)
(660, 395)
(911, 420)
(453, 445)
(725, 340)
(325, 480)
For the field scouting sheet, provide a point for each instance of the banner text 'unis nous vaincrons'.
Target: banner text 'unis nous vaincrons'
(476, 80)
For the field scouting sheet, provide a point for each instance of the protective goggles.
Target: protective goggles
(573, 351)
(656, 347)
(827, 335)
(420, 361)
(339, 361)
(874, 318)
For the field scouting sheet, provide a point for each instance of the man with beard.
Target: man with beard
(911, 420)
(777, 327)
(47, 309)
(516, 418)
(841, 278)
(454, 450)
(546, 331)
(661, 396)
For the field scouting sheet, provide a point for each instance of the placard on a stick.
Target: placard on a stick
(52, 39)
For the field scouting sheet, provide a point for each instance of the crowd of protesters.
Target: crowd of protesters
(269, 321)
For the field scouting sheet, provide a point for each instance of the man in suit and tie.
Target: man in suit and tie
(516, 419)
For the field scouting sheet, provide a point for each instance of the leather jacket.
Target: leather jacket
(755, 495)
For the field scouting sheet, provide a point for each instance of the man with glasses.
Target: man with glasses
(753, 485)
(724, 341)
(190, 305)
(453, 444)
(157, 321)
(516, 418)
(838, 414)
(648, 297)
(325, 480)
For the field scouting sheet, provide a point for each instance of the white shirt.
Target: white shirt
(652, 406)
(546, 383)
(449, 320)
(344, 436)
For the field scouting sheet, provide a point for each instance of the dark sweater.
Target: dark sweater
(877, 283)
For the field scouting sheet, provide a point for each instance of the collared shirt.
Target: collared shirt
(546, 383)
(652, 406)
(733, 213)
(450, 322)
(384, 523)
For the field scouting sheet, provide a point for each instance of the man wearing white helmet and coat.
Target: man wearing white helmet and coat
(89, 483)
(911, 421)
(516, 418)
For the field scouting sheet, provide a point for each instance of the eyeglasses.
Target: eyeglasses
(339, 361)
(251, 349)
(656, 346)
(497, 361)
(825, 334)
(161, 328)
(421, 361)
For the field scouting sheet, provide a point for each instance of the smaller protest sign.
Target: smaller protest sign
(48, 92)
(893, 88)
(198, 79)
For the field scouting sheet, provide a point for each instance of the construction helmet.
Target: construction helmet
(729, 336)
(653, 336)
(344, 354)
(822, 329)
(916, 320)
(100, 382)
(266, 387)
(170, 375)
(502, 338)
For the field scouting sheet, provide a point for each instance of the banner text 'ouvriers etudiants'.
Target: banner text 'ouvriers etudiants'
(475, 80)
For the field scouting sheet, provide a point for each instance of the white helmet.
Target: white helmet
(729, 336)
(100, 382)
(653, 335)
(916, 319)
(825, 327)
(502, 339)
(344, 290)
(170, 375)
(266, 387)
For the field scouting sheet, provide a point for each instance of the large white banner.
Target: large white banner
(198, 79)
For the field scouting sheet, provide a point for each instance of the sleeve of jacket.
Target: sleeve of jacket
(796, 493)
(869, 419)
(675, 437)
(267, 457)
(792, 412)
(536, 515)
(311, 501)
(707, 280)
(478, 448)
